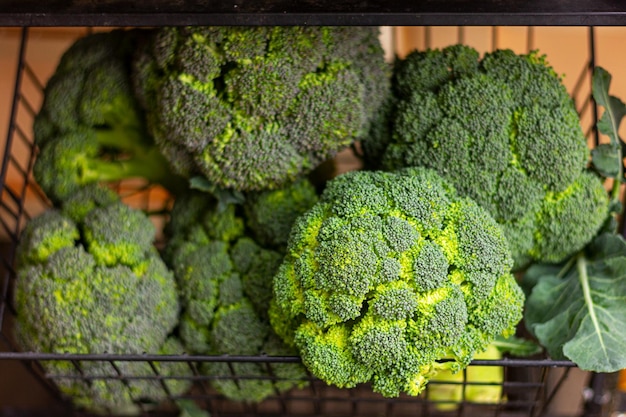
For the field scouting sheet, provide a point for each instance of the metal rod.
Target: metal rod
(240, 358)
(5, 162)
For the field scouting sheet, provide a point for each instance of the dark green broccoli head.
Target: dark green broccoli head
(253, 108)
(389, 273)
(505, 132)
(91, 87)
(96, 284)
(90, 128)
(225, 281)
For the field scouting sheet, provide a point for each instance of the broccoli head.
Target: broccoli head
(225, 281)
(388, 274)
(252, 108)
(90, 281)
(504, 131)
(90, 128)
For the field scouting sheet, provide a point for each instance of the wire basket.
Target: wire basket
(529, 387)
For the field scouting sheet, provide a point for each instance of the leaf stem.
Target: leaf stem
(617, 181)
(583, 277)
(568, 265)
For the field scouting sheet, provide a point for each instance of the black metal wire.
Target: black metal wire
(508, 362)
(320, 12)
(5, 162)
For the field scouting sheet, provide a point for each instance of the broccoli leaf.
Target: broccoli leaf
(517, 346)
(607, 157)
(224, 197)
(581, 316)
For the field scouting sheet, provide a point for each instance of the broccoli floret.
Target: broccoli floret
(194, 208)
(270, 214)
(583, 200)
(256, 265)
(328, 355)
(253, 108)
(79, 204)
(46, 234)
(118, 234)
(504, 131)
(96, 284)
(225, 280)
(90, 128)
(115, 393)
(388, 274)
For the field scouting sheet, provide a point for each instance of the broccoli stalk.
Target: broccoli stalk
(136, 159)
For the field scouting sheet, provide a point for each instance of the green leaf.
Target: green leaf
(606, 246)
(535, 272)
(224, 197)
(582, 316)
(600, 85)
(517, 346)
(606, 159)
(614, 108)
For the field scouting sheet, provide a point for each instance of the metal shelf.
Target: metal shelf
(313, 12)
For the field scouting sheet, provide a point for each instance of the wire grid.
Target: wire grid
(529, 385)
(525, 392)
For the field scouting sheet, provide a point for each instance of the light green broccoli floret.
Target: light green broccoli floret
(97, 285)
(504, 131)
(388, 274)
(118, 234)
(46, 234)
(254, 108)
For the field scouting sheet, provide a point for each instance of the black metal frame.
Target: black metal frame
(312, 12)
(526, 397)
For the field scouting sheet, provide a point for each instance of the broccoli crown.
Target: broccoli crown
(388, 274)
(504, 131)
(252, 108)
(90, 128)
(225, 281)
(96, 285)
